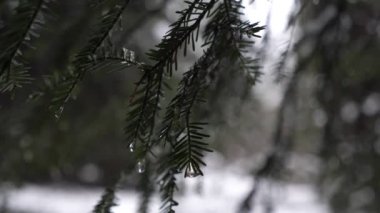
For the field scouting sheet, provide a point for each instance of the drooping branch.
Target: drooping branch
(106, 202)
(84, 59)
(146, 98)
(237, 29)
(13, 70)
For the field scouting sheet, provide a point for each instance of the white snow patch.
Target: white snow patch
(219, 191)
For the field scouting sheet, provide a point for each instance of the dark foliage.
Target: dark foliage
(171, 141)
(180, 129)
(106, 202)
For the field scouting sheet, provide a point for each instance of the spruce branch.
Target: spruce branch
(237, 29)
(106, 202)
(182, 32)
(191, 85)
(184, 136)
(168, 186)
(84, 59)
(229, 32)
(149, 89)
(14, 72)
(113, 64)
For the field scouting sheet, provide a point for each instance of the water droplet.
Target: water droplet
(18, 52)
(58, 113)
(132, 56)
(141, 166)
(132, 146)
(128, 55)
(191, 172)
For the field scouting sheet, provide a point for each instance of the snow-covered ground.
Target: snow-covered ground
(219, 191)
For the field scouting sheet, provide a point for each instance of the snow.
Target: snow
(221, 191)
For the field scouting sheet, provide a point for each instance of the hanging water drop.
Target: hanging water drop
(191, 172)
(132, 56)
(132, 146)
(58, 113)
(125, 53)
(141, 166)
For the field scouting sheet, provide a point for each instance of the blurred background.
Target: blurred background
(305, 138)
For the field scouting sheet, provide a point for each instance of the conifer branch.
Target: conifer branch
(84, 60)
(180, 106)
(149, 88)
(181, 33)
(106, 202)
(13, 71)
(184, 135)
(16, 46)
(185, 140)
(239, 45)
(168, 186)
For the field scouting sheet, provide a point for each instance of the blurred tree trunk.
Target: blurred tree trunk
(346, 47)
